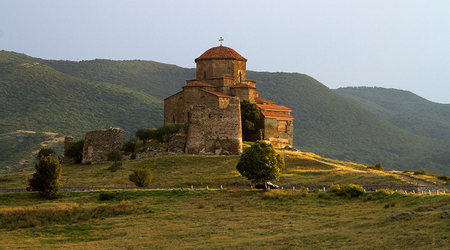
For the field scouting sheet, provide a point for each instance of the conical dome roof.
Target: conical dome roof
(221, 52)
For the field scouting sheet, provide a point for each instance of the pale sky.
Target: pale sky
(385, 43)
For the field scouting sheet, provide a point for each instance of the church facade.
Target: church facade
(210, 104)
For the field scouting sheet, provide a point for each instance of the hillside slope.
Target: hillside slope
(37, 97)
(404, 109)
(325, 122)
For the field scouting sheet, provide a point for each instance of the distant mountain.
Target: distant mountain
(404, 109)
(129, 94)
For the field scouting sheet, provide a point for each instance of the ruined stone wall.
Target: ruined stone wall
(98, 144)
(271, 132)
(213, 130)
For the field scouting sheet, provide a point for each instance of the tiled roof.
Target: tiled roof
(276, 114)
(243, 86)
(197, 84)
(221, 52)
(260, 100)
(216, 93)
(273, 107)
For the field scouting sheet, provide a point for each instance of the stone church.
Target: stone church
(210, 104)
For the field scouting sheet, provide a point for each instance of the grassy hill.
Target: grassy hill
(97, 94)
(182, 171)
(39, 98)
(218, 218)
(404, 109)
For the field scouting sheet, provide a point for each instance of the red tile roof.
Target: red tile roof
(216, 93)
(276, 114)
(260, 100)
(243, 86)
(197, 84)
(273, 107)
(221, 52)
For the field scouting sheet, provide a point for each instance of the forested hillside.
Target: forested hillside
(404, 109)
(75, 97)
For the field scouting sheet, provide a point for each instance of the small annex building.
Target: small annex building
(210, 103)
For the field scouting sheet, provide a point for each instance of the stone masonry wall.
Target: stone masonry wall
(213, 130)
(98, 144)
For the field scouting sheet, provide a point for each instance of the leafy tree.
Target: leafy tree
(250, 117)
(44, 152)
(115, 156)
(260, 163)
(163, 133)
(75, 151)
(141, 177)
(130, 145)
(145, 134)
(47, 175)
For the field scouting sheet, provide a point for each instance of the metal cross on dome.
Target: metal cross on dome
(220, 40)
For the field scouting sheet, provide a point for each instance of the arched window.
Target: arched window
(240, 76)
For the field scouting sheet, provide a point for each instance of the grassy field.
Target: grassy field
(200, 171)
(173, 219)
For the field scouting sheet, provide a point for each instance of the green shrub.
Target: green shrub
(421, 172)
(115, 156)
(47, 175)
(44, 152)
(335, 188)
(141, 177)
(351, 190)
(75, 151)
(385, 192)
(130, 146)
(378, 166)
(106, 196)
(133, 156)
(444, 178)
(250, 117)
(163, 133)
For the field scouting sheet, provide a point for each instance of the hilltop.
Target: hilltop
(75, 97)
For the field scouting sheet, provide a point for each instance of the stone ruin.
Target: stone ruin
(98, 144)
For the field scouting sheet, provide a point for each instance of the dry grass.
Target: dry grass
(200, 171)
(244, 219)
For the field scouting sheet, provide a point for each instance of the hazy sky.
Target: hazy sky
(398, 44)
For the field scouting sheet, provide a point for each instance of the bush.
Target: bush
(444, 178)
(260, 163)
(75, 151)
(47, 175)
(335, 188)
(385, 192)
(133, 156)
(163, 133)
(141, 177)
(44, 152)
(350, 190)
(130, 146)
(115, 156)
(145, 134)
(421, 172)
(106, 196)
(378, 166)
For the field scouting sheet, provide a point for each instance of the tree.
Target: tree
(141, 177)
(44, 152)
(145, 134)
(260, 163)
(130, 145)
(250, 117)
(115, 156)
(47, 175)
(75, 151)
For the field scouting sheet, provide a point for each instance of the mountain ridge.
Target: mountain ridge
(326, 122)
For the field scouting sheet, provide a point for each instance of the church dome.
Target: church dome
(220, 52)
